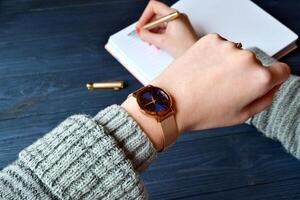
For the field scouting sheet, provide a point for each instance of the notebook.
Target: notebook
(237, 20)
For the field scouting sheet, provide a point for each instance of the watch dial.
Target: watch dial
(155, 100)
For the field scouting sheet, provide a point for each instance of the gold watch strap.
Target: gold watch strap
(170, 131)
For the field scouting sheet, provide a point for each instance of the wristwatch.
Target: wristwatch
(155, 102)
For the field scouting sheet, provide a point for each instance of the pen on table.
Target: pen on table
(112, 85)
(157, 22)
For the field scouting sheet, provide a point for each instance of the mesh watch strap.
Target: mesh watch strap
(170, 131)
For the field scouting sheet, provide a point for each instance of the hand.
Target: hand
(175, 38)
(214, 84)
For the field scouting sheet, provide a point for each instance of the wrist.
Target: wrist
(188, 43)
(158, 124)
(149, 125)
(174, 93)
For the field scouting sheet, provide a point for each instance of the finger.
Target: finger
(262, 103)
(279, 73)
(153, 38)
(158, 29)
(152, 9)
(161, 31)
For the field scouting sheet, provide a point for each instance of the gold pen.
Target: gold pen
(113, 85)
(157, 22)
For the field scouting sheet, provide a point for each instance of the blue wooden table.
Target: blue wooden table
(49, 50)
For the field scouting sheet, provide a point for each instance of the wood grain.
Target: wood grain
(49, 50)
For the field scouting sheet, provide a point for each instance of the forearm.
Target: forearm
(281, 120)
(82, 158)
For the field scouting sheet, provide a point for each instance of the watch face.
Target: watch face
(154, 101)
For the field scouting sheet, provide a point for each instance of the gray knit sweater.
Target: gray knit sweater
(82, 158)
(101, 157)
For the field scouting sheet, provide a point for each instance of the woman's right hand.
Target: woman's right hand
(175, 38)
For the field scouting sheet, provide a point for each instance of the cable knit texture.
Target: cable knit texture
(82, 158)
(281, 121)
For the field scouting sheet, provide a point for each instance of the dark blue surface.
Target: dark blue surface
(49, 50)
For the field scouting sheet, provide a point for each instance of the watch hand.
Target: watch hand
(149, 103)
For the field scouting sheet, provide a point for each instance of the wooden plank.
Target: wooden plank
(201, 166)
(279, 190)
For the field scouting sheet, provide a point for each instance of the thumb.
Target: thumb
(261, 103)
(154, 38)
(279, 73)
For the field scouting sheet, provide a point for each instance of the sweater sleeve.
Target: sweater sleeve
(281, 121)
(82, 158)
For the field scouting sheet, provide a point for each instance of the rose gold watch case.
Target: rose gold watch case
(159, 117)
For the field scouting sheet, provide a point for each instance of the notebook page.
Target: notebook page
(145, 59)
(238, 21)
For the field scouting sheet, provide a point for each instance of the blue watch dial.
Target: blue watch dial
(154, 100)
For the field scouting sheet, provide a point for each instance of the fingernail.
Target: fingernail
(138, 30)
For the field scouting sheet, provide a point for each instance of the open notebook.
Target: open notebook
(237, 20)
